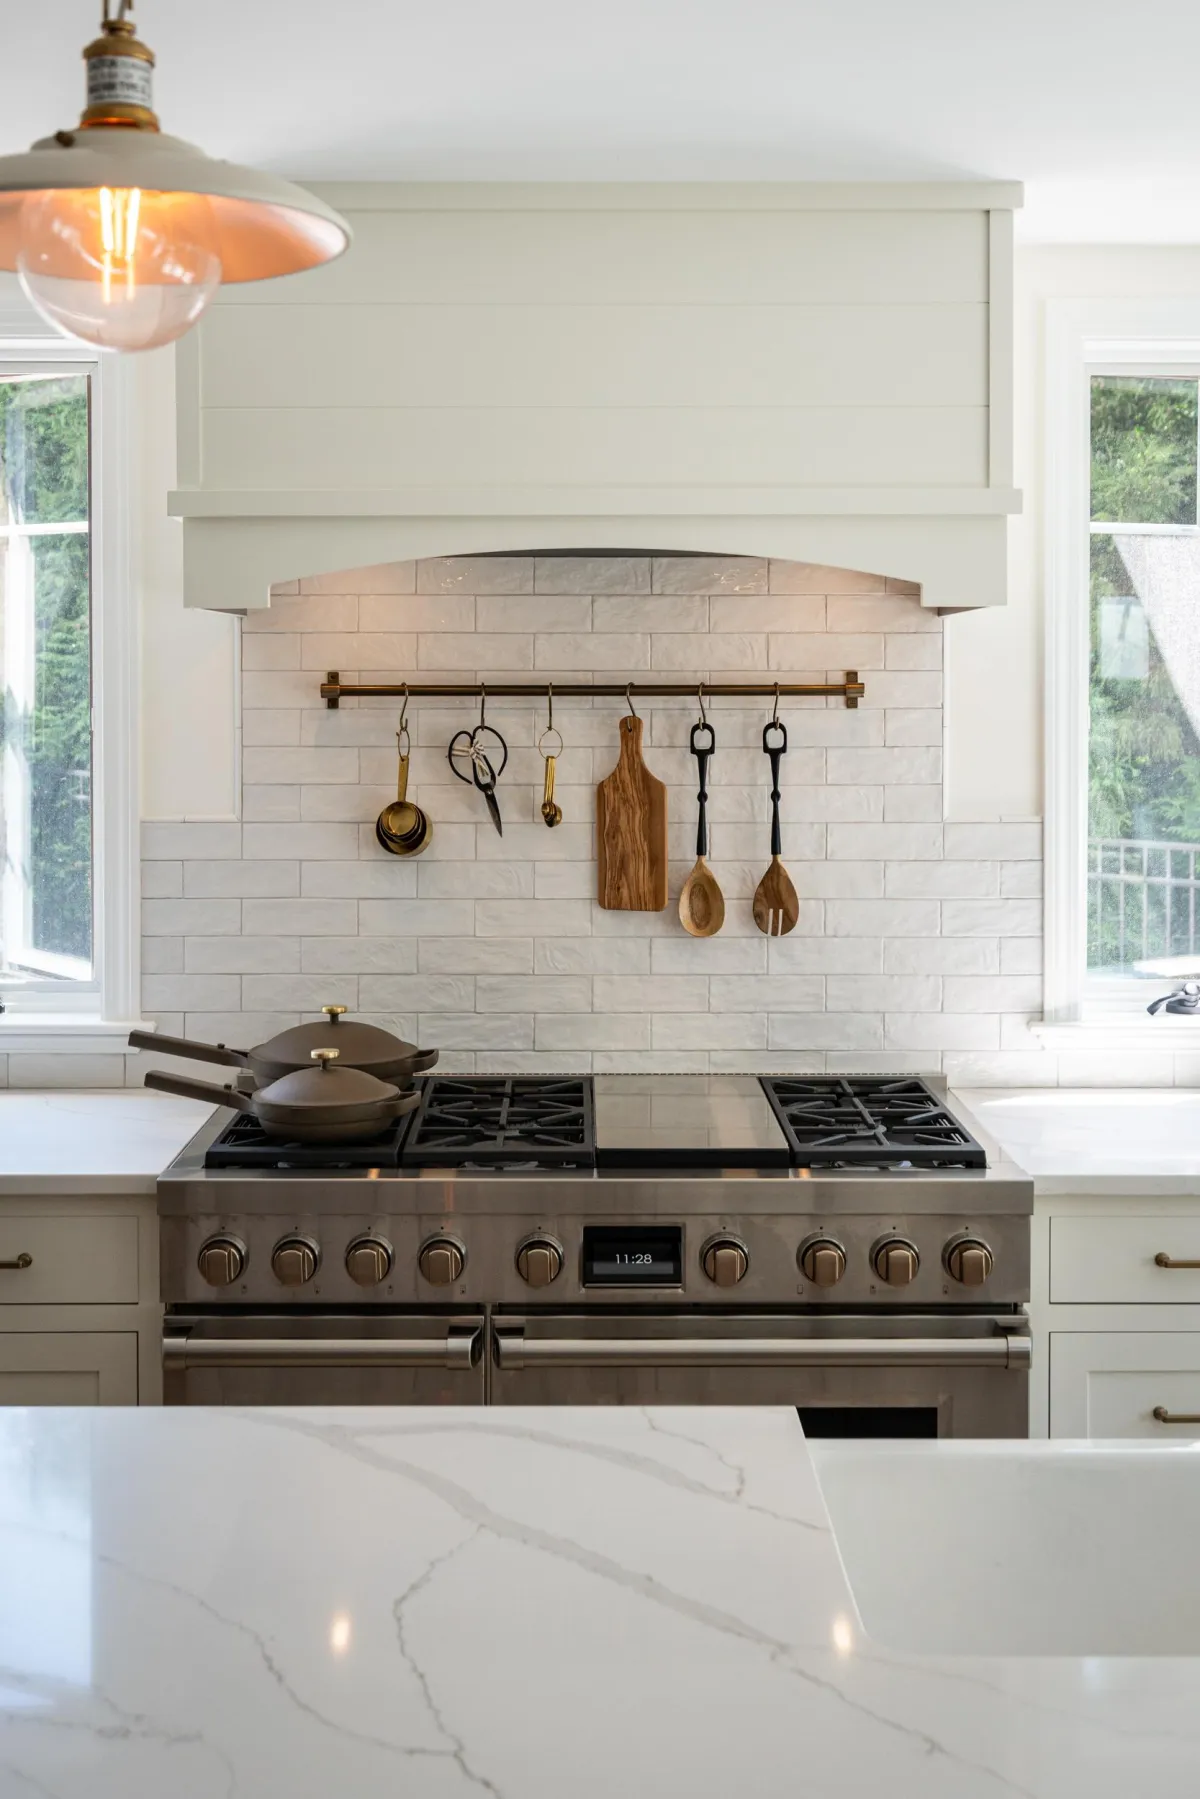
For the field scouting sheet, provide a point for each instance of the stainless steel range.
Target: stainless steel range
(840, 1245)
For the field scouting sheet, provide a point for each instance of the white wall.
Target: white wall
(189, 659)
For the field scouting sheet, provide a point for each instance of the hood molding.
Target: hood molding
(626, 357)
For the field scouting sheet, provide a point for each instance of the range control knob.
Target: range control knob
(441, 1261)
(221, 1260)
(895, 1260)
(368, 1260)
(539, 1261)
(969, 1260)
(295, 1260)
(822, 1261)
(725, 1261)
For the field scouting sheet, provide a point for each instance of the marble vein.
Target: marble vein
(349, 1440)
(458, 1748)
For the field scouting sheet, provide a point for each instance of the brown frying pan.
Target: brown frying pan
(319, 1104)
(357, 1045)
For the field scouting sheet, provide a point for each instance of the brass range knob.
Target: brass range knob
(368, 1260)
(539, 1261)
(441, 1261)
(822, 1261)
(895, 1260)
(221, 1260)
(294, 1260)
(725, 1261)
(969, 1260)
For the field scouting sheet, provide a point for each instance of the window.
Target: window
(46, 890)
(71, 473)
(1122, 680)
(1143, 853)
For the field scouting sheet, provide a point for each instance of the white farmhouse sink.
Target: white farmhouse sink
(980, 1548)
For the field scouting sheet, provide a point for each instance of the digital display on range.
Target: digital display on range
(634, 1255)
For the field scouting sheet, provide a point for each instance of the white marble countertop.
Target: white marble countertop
(102, 1142)
(1135, 1141)
(527, 1604)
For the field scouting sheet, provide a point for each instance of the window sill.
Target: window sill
(1166, 1035)
(64, 1033)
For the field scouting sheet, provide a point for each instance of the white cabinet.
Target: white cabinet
(68, 1367)
(1110, 1383)
(80, 1320)
(48, 1259)
(1094, 1260)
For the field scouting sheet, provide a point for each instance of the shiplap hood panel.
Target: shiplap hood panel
(816, 373)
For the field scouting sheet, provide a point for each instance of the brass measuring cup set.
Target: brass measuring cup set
(478, 757)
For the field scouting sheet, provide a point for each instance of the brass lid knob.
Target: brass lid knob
(968, 1260)
(324, 1056)
(822, 1261)
(295, 1260)
(368, 1260)
(221, 1260)
(896, 1261)
(333, 1013)
(441, 1261)
(724, 1261)
(539, 1261)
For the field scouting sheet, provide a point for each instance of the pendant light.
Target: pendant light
(121, 235)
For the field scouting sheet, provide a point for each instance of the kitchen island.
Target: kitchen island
(544, 1603)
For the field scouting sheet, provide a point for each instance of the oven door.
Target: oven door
(918, 1375)
(366, 1358)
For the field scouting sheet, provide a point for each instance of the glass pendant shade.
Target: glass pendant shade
(121, 235)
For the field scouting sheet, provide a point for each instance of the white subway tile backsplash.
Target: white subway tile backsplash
(918, 943)
(241, 955)
(329, 842)
(475, 955)
(992, 918)
(1018, 841)
(241, 880)
(298, 917)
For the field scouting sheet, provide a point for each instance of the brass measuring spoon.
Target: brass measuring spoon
(551, 812)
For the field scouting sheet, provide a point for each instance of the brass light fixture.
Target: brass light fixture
(120, 235)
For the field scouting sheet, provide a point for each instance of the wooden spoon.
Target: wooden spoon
(702, 904)
(776, 907)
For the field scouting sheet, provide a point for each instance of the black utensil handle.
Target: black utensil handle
(702, 756)
(776, 752)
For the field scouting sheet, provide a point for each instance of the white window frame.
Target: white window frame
(95, 1016)
(1084, 338)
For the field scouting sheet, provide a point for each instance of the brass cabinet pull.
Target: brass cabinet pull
(1163, 1260)
(1165, 1417)
(21, 1261)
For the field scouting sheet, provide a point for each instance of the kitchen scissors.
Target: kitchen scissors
(469, 747)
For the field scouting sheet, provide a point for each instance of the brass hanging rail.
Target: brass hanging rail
(334, 690)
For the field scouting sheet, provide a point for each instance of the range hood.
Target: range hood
(820, 373)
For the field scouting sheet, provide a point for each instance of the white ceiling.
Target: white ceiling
(1092, 105)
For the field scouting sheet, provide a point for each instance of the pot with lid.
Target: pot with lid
(320, 1103)
(356, 1045)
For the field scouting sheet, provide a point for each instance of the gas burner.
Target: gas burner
(857, 1121)
(516, 1122)
(244, 1144)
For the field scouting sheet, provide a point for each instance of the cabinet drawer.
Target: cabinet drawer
(73, 1261)
(1108, 1383)
(68, 1368)
(1102, 1260)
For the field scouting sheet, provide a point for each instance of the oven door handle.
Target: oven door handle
(457, 1349)
(515, 1350)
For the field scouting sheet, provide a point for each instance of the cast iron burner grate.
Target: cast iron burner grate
(856, 1121)
(513, 1122)
(244, 1144)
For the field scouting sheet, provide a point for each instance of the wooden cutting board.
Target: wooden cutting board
(631, 831)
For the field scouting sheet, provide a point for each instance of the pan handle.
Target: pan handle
(195, 1052)
(425, 1058)
(186, 1088)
